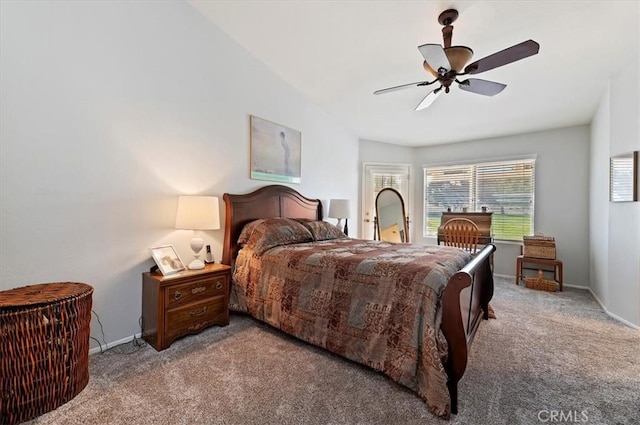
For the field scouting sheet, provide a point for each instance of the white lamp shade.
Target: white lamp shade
(198, 213)
(339, 208)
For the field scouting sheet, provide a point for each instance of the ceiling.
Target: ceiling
(337, 53)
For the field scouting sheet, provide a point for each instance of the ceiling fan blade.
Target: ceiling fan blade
(429, 99)
(404, 86)
(503, 57)
(476, 85)
(435, 57)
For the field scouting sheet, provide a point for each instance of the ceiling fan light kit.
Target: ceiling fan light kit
(447, 63)
(458, 57)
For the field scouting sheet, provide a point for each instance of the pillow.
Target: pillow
(247, 230)
(321, 230)
(271, 232)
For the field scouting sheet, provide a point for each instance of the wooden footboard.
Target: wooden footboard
(464, 303)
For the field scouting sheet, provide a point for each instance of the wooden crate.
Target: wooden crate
(539, 246)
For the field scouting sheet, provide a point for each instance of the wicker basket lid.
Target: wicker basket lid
(43, 293)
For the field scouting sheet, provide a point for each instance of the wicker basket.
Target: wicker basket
(539, 246)
(44, 348)
(539, 282)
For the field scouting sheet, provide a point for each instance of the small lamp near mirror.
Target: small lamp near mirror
(197, 213)
(340, 208)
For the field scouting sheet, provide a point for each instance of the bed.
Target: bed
(327, 293)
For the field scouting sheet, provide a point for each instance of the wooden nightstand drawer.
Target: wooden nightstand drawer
(189, 292)
(195, 317)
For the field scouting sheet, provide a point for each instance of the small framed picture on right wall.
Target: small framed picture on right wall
(623, 177)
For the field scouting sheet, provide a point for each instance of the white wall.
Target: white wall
(371, 151)
(615, 227)
(109, 110)
(561, 198)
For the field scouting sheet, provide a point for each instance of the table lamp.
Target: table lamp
(197, 213)
(340, 208)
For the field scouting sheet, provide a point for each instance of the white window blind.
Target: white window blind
(505, 188)
(380, 181)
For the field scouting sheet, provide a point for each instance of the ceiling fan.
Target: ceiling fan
(446, 64)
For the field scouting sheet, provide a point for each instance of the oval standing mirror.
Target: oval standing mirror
(391, 219)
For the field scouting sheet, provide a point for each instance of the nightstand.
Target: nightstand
(184, 303)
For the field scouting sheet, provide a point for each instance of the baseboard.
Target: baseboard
(569, 285)
(113, 344)
(612, 315)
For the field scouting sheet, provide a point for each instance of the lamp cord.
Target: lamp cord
(136, 343)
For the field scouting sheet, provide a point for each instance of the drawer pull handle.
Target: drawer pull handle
(219, 285)
(196, 327)
(198, 290)
(198, 313)
(177, 295)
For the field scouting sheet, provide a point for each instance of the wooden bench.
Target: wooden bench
(522, 261)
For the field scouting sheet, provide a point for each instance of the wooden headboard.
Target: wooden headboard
(268, 201)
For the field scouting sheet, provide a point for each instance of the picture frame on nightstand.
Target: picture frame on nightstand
(167, 260)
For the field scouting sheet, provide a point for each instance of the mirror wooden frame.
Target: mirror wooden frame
(405, 220)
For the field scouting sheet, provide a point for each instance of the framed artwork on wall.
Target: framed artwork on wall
(623, 177)
(276, 152)
(167, 259)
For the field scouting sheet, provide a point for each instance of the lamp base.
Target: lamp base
(196, 264)
(196, 246)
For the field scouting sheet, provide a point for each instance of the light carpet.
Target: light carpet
(545, 354)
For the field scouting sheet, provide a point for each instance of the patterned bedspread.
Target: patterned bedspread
(372, 302)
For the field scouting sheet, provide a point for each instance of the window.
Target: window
(505, 188)
(380, 181)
